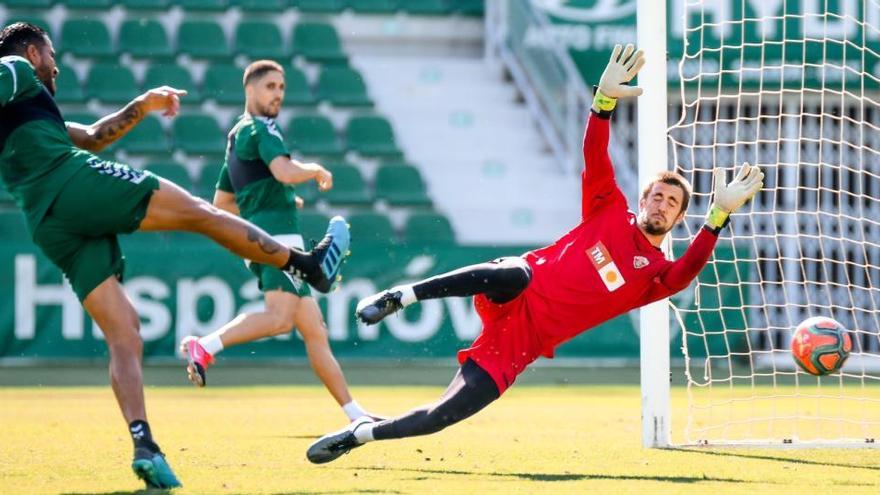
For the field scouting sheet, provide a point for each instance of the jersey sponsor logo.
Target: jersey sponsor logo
(117, 170)
(640, 262)
(608, 272)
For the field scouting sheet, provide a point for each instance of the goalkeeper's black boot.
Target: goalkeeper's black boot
(333, 445)
(375, 308)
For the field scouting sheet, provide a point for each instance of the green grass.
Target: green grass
(536, 439)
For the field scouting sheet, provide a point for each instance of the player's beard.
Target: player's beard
(652, 228)
(48, 81)
(270, 110)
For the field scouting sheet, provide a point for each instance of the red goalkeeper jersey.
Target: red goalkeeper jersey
(605, 266)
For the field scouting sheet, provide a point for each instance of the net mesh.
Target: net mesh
(792, 87)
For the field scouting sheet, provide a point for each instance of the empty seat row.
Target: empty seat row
(203, 39)
(429, 7)
(420, 229)
(111, 83)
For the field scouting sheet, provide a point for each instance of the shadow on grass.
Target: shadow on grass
(565, 476)
(761, 457)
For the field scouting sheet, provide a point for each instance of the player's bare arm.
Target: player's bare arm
(291, 171)
(107, 130)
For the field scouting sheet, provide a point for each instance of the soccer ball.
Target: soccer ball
(820, 345)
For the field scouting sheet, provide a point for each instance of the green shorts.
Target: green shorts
(271, 278)
(79, 231)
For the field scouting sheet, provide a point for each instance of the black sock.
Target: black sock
(299, 261)
(141, 435)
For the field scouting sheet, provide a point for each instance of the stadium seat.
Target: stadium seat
(148, 137)
(68, 89)
(207, 182)
(144, 38)
(28, 4)
(308, 191)
(223, 84)
(323, 6)
(13, 226)
(257, 39)
(371, 228)
(348, 186)
(318, 42)
(374, 6)
(202, 39)
(474, 8)
(298, 92)
(312, 225)
(175, 76)
(423, 229)
(425, 7)
(401, 186)
(85, 118)
(343, 87)
(313, 135)
(146, 4)
(86, 38)
(111, 83)
(88, 4)
(198, 134)
(260, 5)
(173, 172)
(204, 5)
(371, 136)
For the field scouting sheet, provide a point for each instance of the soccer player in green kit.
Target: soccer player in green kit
(76, 204)
(254, 183)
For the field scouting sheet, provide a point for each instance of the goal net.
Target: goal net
(794, 87)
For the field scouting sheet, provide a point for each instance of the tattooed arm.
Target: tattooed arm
(104, 132)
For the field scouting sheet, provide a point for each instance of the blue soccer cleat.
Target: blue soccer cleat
(153, 469)
(330, 253)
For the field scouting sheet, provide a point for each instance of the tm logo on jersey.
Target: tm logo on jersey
(608, 271)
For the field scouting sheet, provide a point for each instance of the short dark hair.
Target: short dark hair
(16, 37)
(673, 179)
(256, 70)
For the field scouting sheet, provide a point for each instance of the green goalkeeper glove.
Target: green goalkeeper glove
(623, 66)
(729, 197)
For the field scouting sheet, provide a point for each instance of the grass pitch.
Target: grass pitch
(536, 439)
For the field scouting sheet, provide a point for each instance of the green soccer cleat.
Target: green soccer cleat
(153, 469)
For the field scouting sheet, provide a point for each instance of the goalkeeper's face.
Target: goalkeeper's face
(660, 209)
(267, 94)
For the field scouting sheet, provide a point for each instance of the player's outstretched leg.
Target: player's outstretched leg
(500, 280)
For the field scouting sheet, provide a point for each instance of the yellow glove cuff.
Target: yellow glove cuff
(604, 103)
(717, 218)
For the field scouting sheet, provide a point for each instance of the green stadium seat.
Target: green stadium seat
(371, 136)
(68, 89)
(88, 4)
(111, 83)
(313, 135)
(322, 6)
(425, 7)
(318, 42)
(260, 5)
(374, 6)
(257, 39)
(85, 118)
(173, 172)
(298, 91)
(175, 76)
(27, 4)
(146, 4)
(13, 226)
(148, 137)
(312, 225)
(198, 134)
(348, 186)
(423, 229)
(86, 38)
(475, 8)
(204, 5)
(401, 186)
(202, 39)
(343, 87)
(371, 228)
(144, 38)
(308, 191)
(32, 19)
(207, 181)
(223, 84)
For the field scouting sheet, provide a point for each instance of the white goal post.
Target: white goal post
(794, 87)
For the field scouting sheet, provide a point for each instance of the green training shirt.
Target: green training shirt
(37, 156)
(251, 145)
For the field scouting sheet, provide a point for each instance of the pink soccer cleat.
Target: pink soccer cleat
(198, 360)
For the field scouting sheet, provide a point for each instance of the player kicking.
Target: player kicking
(253, 184)
(76, 204)
(607, 265)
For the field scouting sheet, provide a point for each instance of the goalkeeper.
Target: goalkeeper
(607, 265)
